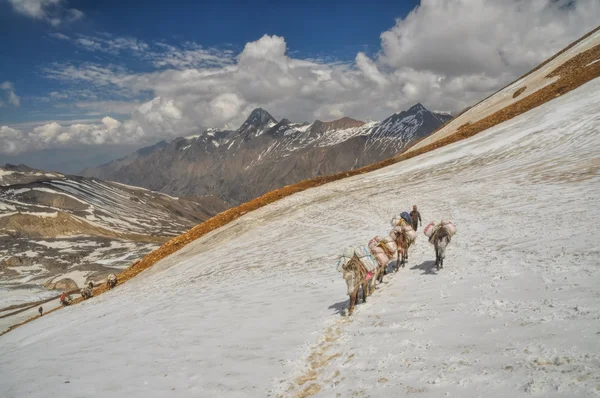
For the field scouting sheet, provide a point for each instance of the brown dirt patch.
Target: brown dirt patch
(573, 74)
(309, 391)
(519, 91)
(64, 224)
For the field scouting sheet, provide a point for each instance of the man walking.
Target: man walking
(415, 217)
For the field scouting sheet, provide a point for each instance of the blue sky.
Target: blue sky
(107, 76)
(312, 29)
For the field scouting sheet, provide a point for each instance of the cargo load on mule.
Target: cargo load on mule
(383, 248)
(401, 219)
(432, 229)
(379, 251)
(386, 243)
(406, 216)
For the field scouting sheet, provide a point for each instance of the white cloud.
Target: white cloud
(52, 11)
(370, 70)
(108, 43)
(11, 140)
(55, 134)
(191, 55)
(444, 54)
(8, 90)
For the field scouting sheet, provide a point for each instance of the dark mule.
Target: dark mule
(440, 238)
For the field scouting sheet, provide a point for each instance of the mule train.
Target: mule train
(362, 268)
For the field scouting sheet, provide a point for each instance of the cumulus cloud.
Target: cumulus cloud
(471, 37)
(444, 54)
(55, 134)
(52, 11)
(8, 91)
(11, 140)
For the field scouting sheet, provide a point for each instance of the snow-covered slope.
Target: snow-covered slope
(253, 308)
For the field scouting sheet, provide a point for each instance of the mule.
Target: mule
(86, 293)
(355, 275)
(111, 281)
(441, 239)
(403, 243)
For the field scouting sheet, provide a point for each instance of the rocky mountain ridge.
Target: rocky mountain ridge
(264, 154)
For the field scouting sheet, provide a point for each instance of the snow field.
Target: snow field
(253, 308)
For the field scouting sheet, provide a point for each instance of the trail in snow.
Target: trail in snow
(253, 308)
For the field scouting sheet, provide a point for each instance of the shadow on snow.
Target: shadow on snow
(428, 267)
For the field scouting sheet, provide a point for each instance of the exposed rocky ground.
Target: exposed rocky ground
(57, 231)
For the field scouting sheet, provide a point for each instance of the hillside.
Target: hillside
(265, 154)
(57, 228)
(252, 308)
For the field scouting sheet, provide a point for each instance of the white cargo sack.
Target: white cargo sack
(406, 230)
(348, 251)
(390, 244)
(375, 242)
(381, 258)
(411, 235)
(346, 256)
(377, 250)
(429, 229)
(396, 220)
(451, 228)
(365, 257)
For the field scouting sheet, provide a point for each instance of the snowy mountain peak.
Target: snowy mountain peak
(258, 120)
(418, 107)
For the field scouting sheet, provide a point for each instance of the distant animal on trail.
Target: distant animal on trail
(41, 311)
(87, 293)
(440, 237)
(65, 299)
(111, 281)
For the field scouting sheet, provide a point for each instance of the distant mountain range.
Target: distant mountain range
(264, 154)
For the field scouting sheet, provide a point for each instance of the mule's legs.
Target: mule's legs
(353, 298)
(437, 257)
(365, 290)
